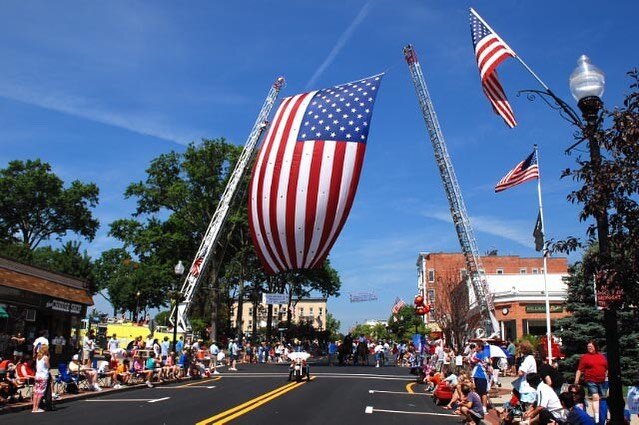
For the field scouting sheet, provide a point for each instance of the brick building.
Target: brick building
(516, 284)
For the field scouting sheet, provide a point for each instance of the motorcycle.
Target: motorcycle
(299, 369)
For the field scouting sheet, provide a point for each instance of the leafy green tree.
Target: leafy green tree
(35, 206)
(332, 327)
(405, 323)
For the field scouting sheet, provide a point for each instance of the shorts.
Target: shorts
(233, 357)
(595, 388)
(481, 386)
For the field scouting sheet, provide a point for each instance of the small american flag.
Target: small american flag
(527, 169)
(490, 51)
(399, 303)
(195, 268)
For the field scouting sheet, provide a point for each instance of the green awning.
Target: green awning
(3, 313)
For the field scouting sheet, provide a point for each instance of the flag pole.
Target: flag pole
(545, 254)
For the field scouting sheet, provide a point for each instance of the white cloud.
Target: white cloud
(339, 45)
(145, 124)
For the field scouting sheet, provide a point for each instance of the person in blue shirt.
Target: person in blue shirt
(179, 346)
(576, 415)
(480, 378)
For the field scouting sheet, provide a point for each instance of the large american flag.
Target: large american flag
(306, 174)
(196, 267)
(399, 303)
(490, 51)
(527, 169)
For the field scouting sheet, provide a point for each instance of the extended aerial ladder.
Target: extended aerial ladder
(465, 234)
(216, 226)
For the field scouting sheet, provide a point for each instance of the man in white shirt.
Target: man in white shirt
(113, 345)
(547, 405)
(214, 350)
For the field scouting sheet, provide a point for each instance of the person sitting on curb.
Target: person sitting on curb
(138, 369)
(122, 374)
(470, 406)
(153, 366)
(547, 407)
(75, 368)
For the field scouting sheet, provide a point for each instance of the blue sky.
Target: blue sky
(98, 89)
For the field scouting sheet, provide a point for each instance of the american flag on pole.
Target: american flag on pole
(490, 51)
(527, 169)
(306, 174)
(399, 303)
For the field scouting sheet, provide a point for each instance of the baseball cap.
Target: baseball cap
(75, 357)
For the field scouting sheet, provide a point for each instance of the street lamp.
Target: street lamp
(179, 271)
(587, 84)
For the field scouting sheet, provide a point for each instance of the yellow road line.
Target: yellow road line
(243, 405)
(234, 412)
(200, 382)
(409, 388)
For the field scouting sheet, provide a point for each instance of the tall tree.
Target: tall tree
(35, 206)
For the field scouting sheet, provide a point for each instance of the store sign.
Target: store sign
(63, 306)
(274, 298)
(541, 308)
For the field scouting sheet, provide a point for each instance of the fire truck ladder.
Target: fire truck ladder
(453, 193)
(212, 236)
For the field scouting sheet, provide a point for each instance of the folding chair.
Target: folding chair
(64, 378)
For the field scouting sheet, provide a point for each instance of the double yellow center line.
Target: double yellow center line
(239, 410)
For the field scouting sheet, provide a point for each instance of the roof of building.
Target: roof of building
(33, 279)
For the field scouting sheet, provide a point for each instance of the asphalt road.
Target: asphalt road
(259, 394)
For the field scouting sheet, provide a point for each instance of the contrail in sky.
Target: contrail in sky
(339, 45)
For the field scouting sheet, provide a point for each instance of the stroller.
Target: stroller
(514, 409)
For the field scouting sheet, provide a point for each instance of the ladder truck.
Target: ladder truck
(461, 221)
(216, 226)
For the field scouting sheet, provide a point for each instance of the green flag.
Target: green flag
(538, 234)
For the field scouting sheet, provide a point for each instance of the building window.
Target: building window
(301, 311)
(522, 270)
(311, 311)
(250, 323)
(500, 271)
(320, 311)
(430, 296)
(431, 275)
(535, 270)
(463, 274)
(250, 311)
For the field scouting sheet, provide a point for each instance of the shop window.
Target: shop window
(500, 271)
(535, 270)
(522, 270)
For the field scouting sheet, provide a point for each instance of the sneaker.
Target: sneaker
(485, 410)
(215, 372)
(149, 384)
(97, 387)
(117, 386)
(54, 395)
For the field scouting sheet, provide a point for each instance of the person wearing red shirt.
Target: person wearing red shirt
(594, 367)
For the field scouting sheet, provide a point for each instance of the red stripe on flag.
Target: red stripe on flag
(357, 167)
(312, 194)
(291, 200)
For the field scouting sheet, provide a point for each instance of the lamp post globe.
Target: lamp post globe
(179, 268)
(587, 83)
(586, 80)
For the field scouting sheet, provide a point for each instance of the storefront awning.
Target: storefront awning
(43, 286)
